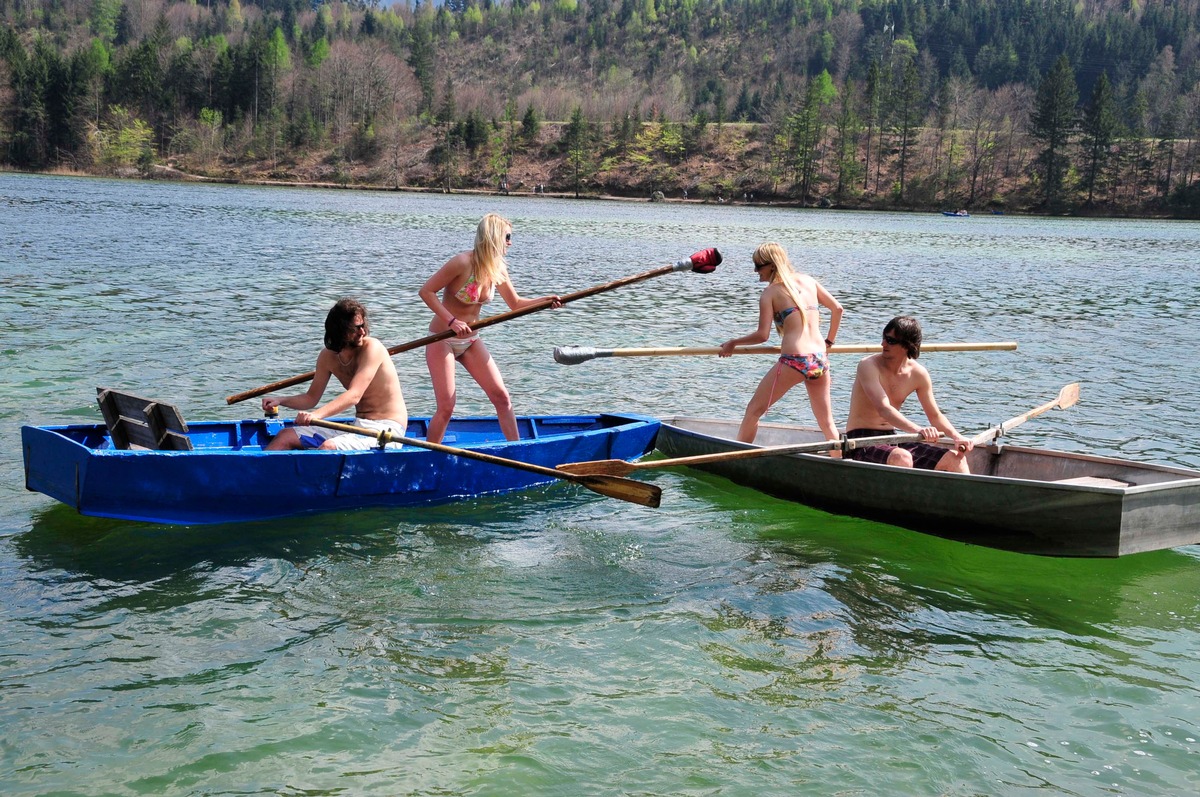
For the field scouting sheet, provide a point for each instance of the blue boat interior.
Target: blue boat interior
(254, 434)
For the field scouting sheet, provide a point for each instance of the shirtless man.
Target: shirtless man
(365, 369)
(882, 383)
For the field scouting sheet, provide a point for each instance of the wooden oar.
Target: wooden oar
(573, 355)
(703, 262)
(619, 467)
(1067, 397)
(625, 489)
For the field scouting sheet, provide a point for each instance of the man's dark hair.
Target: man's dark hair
(905, 329)
(340, 323)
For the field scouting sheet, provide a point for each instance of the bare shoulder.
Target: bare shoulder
(375, 348)
(918, 374)
(806, 280)
(326, 358)
(459, 262)
(870, 362)
(867, 369)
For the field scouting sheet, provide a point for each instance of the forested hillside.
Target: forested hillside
(1044, 105)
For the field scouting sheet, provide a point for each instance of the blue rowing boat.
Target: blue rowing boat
(224, 475)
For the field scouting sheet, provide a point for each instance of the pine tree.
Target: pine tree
(1053, 121)
(1167, 130)
(847, 129)
(420, 58)
(530, 126)
(446, 113)
(1100, 129)
(871, 97)
(577, 141)
(908, 116)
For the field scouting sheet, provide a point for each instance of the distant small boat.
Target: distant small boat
(958, 213)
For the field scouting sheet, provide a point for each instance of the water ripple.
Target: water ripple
(553, 640)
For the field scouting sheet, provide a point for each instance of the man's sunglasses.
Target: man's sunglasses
(889, 340)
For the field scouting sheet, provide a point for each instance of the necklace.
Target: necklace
(344, 363)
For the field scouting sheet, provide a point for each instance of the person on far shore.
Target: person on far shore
(467, 282)
(882, 383)
(365, 369)
(791, 300)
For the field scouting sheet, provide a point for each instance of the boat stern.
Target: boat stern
(55, 465)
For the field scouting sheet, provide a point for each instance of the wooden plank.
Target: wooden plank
(1093, 481)
(136, 422)
(168, 427)
(112, 418)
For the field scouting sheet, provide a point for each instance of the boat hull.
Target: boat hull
(227, 477)
(1016, 499)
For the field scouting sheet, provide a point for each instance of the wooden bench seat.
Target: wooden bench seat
(1093, 481)
(139, 423)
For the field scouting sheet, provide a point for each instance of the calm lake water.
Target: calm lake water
(556, 642)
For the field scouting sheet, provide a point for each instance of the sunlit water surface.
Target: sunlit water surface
(557, 642)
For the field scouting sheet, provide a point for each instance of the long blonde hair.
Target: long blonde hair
(487, 258)
(774, 255)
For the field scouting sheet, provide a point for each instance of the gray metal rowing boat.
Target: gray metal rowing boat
(1018, 499)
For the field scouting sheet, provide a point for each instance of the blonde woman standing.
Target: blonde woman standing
(791, 300)
(468, 281)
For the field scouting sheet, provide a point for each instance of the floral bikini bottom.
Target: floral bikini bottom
(810, 366)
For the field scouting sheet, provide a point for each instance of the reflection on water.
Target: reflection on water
(518, 644)
(886, 572)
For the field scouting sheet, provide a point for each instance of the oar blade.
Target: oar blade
(705, 261)
(573, 355)
(629, 490)
(598, 467)
(1068, 396)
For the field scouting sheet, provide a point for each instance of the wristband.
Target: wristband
(828, 342)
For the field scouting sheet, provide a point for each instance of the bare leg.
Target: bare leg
(479, 364)
(440, 360)
(287, 440)
(774, 385)
(822, 405)
(953, 462)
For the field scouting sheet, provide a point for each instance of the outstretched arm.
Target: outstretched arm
(516, 302)
(316, 388)
(936, 417)
(761, 334)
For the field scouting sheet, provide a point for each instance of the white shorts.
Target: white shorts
(313, 436)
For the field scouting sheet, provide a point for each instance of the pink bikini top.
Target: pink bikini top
(470, 292)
